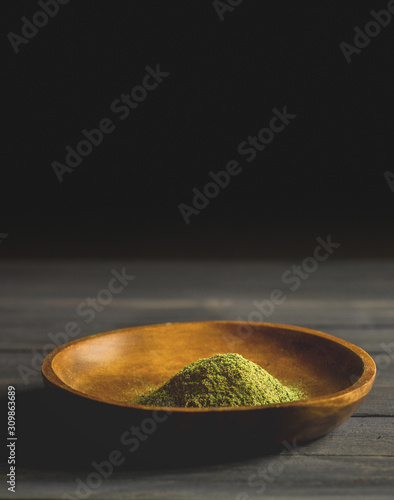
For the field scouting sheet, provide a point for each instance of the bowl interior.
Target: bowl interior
(116, 367)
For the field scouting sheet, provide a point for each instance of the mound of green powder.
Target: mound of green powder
(222, 380)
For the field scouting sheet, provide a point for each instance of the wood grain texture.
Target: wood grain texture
(352, 300)
(301, 477)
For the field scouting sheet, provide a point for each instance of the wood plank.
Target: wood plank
(380, 401)
(366, 436)
(336, 280)
(282, 477)
(352, 300)
(24, 334)
(32, 304)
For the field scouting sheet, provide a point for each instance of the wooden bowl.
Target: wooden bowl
(107, 371)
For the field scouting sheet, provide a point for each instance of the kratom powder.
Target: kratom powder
(222, 380)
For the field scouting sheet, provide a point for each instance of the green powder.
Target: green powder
(222, 380)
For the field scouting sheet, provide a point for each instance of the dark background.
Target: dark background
(324, 174)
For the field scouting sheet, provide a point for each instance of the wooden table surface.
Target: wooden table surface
(350, 299)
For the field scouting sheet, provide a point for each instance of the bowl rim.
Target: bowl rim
(354, 392)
